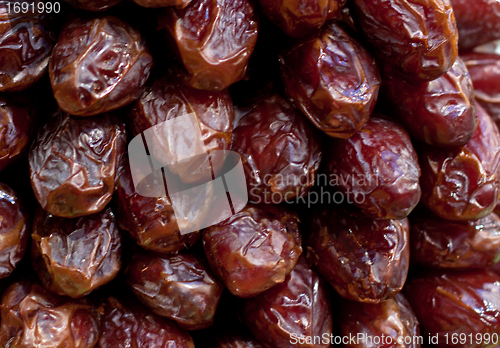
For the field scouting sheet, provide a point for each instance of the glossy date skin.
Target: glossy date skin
(280, 151)
(93, 5)
(98, 65)
(417, 36)
(75, 162)
(163, 3)
(33, 317)
(440, 112)
(364, 259)
(299, 306)
(463, 184)
(180, 287)
(73, 257)
(125, 323)
(457, 303)
(254, 249)
(332, 79)
(377, 168)
(214, 40)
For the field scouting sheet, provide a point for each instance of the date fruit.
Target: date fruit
(98, 65)
(332, 79)
(93, 5)
(163, 3)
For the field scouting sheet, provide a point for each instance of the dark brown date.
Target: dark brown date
(440, 112)
(163, 3)
(463, 184)
(364, 259)
(73, 257)
(392, 319)
(14, 230)
(180, 287)
(419, 37)
(461, 304)
(93, 5)
(332, 79)
(75, 162)
(377, 169)
(98, 64)
(214, 40)
(255, 249)
(300, 306)
(33, 317)
(127, 324)
(280, 151)
(299, 18)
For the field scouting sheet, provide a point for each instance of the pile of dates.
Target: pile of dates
(337, 182)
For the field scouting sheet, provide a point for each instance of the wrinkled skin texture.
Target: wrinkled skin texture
(300, 305)
(26, 42)
(463, 184)
(33, 317)
(73, 257)
(417, 36)
(393, 318)
(93, 5)
(14, 230)
(214, 40)
(166, 100)
(280, 151)
(332, 79)
(75, 162)
(126, 324)
(163, 3)
(364, 259)
(255, 249)
(98, 65)
(179, 287)
(377, 168)
(301, 17)
(465, 302)
(439, 112)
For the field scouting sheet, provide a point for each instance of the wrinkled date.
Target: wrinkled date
(93, 5)
(75, 256)
(464, 304)
(163, 3)
(440, 112)
(98, 64)
(254, 249)
(33, 317)
(332, 79)
(214, 39)
(126, 324)
(364, 259)
(280, 151)
(300, 306)
(417, 36)
(377, 169)
(463, 184)
(75, 162)
(179, 287)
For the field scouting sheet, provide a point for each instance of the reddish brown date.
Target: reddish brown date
(440, 112)
(75, 162)
(419, 37)
(332, 79)
(392, 319)
(254, 249)
(93, 5)
(377, 169)
(98, 64)
(33, 317)
(299, 18)
(214, 40)
(163, 3)
(463, 184)
(179, 287)
(300, 306)
(73, 257)
(14, 230)
(364, 259)
(280, 151)
(127, 324)
(466, 303)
